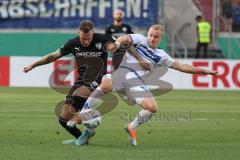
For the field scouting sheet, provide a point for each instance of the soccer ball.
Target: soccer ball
(91, 118)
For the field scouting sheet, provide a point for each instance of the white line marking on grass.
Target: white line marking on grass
(220, 111)
(25, 110)
(215, 119)
(19, 115)
(107, 117)
(41, 116)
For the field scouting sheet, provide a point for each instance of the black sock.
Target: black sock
(72, 130)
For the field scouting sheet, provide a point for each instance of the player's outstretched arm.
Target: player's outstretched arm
(191, 69)
(122, 41)
(45, 60)
(126, 42)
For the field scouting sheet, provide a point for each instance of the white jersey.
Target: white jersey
(155, 57)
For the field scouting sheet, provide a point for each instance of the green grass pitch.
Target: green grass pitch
(190, 125)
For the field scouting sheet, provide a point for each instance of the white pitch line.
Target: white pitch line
(117, 117)
(121, 110)
(42, 116)
(20, 115)
(215, 119)
(24, 110)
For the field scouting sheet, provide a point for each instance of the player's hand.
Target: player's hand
(75, 120)
(28, 68)
(111, 47)
(71, 123)
(214, 73)
(144, 64)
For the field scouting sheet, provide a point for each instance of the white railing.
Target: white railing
(177, 46)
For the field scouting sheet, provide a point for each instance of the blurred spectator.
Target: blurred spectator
(203, 36)
(226, 7)
(118, 28)
(236, 16)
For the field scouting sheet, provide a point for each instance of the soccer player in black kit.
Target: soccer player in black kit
(117, 29)
(91, 60)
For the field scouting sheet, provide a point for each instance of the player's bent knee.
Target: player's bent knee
(149, 104)
(67, 112)
(152, 109)
(106, 85)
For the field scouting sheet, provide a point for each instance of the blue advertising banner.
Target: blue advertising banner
(68, 13)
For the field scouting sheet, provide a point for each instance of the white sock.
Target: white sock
(93, 99)
(142, 117)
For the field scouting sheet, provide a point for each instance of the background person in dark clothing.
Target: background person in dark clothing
(118, 28)
(236, 16)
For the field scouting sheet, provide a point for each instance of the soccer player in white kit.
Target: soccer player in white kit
(128, 78)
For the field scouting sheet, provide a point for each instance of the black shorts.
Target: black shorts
(77, 101)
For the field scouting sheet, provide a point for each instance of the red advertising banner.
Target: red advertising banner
(4, 71)
(61, 72)
(228, 76)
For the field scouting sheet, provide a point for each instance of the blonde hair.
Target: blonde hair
(157, 27)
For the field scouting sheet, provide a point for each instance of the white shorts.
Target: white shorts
(135, 88)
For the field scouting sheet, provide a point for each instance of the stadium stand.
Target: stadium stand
(180, 23)
(236, 16)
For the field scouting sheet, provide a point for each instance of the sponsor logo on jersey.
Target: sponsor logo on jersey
(88, 54)
(147, 53)
(77, 48)
(145, 50)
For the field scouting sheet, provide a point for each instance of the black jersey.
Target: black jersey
(92, 60)
(117, 31)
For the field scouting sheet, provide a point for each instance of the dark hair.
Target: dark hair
(199, 17)
(86, 26)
